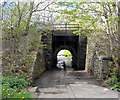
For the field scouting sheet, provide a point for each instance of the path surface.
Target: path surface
(71, 84)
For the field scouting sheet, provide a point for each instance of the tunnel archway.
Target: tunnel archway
(66, 56)
(73, 52)
(58, 40)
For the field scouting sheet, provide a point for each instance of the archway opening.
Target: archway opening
(64, 55)
(72, 56)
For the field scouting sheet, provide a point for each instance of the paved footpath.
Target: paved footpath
(71, 84)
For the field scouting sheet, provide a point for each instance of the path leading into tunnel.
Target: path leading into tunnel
(71, 84)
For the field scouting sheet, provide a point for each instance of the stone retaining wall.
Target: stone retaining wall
(98, 57)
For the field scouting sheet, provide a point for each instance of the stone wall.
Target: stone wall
(98, 54)
(100, 68)
(26, 55)
(39, 66)
(47, 50)
(81, 52)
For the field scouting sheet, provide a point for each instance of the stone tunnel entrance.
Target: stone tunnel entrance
(58, 40)
(65, 42)
(74, 55)
(65, 39)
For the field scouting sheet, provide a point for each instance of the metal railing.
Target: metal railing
(65, 26)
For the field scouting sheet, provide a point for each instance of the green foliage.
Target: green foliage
(14, 82)
(116, 87)
(82, 31)
(15, 93)
(113, 72)
(111, 81)
(24, 35)
(24, 94)
(67, 54)
(25, 42)
(23, 76)
(14, 87)
(28, 61)
(110, 63)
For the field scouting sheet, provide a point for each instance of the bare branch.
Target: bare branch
(20, 14)
(38, 4)
(4, 4)
(43, 8)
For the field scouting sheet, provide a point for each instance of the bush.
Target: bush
(23, 76)
(15, 93)
(24, 94)
(15, 82)
(111, 81)
(116, 87)
(113, 72)
(14, 87)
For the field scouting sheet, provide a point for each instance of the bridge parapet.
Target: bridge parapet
(60, 27)
(65, 26)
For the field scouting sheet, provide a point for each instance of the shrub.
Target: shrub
(113, 71)
(14, 82)
(116, 87)
(15, 93)
(111, 81)
(14, 87)
(23, 94)
(23, 76)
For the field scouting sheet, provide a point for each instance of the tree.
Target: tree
(119, 37)
(19, 28)
(98, 20)
(67, 54)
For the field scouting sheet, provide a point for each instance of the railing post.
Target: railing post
(66, 27)
(78, 27)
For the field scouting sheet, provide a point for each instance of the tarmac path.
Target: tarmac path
(72, 84)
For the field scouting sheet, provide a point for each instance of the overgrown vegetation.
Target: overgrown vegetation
(112, 80)
(21, 41)
(15, 86)
(100, 22)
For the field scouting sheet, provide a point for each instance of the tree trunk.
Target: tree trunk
(19, 14)
(29, 18)
(119, 40)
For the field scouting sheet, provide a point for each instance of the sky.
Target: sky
(52, 6)
(57, 0)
